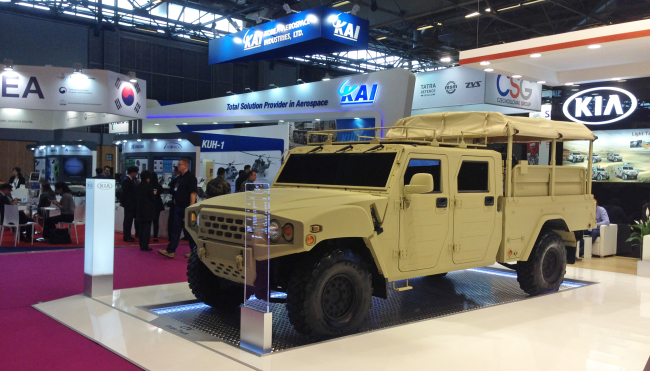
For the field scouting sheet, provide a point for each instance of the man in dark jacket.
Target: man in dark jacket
(242, 178)
(145, 209)
(172, 208)
(218, 186)
(128, 202)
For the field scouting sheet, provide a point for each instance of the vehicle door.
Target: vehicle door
(475, 209)
(425, 219)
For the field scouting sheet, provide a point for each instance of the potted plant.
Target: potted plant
(641, 233)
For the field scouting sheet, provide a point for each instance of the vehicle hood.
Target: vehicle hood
(288, 201)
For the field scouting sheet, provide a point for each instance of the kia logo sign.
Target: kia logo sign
(104, 186)
(599, 106)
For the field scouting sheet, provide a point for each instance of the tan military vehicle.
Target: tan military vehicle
(354, 220)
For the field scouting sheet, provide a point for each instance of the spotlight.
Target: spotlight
(541, 82)
(281, 121)
(317, 119)
(247, 122)
(288, 9)
(340, 4)
(139, 140)
(594, 46)
(357, 118)
(77, 68)
(327, 77)
(185, 123)
(355, 9)
(62, 145)
(445, 59)
(535, 55)
(230, 93)
(373, 5)
(156, 124)
(273, 86)
(249, 89)
(132, 77)
(179, 139)
(381, 38)
(485, 63)
(79, 145)
(9, 64)
(516, 76)
(488, 69)
(300, 81)
(155, 140)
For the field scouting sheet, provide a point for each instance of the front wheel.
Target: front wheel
(331, 296)
(624, 176)
(575, 160)
(544, 270)
(214, 291)
(599, 177)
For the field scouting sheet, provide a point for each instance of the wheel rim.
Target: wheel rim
(338, 297)
(550, 266)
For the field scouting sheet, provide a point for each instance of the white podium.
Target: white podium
(100, 237)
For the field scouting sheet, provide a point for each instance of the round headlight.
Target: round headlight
(287, 232)
(274, 231)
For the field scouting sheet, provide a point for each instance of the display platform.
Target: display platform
(430, 298)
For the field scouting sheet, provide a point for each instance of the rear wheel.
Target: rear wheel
(575, 160)
(331, 296)
(624, 176)
(599, 177)
(544, 270)
(214, 291)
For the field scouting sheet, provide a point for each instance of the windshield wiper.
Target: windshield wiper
(315, 149)
(374, 148)
(344, 148)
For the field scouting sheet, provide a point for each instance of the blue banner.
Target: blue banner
(320, 30)
(238, 143)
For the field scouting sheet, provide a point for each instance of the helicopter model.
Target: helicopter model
(260, 165)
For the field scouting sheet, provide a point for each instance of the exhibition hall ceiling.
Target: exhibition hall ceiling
(419, 35)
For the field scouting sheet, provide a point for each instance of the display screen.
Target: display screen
(73, 167)
(619, 155)
(339, 169)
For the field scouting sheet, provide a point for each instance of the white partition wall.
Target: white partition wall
(100, 237)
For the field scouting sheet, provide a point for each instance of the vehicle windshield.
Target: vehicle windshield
(338, 169)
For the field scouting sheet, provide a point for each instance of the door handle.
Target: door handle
(441, 202)
(489, 201)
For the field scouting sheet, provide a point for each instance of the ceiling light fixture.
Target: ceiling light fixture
(488, 10)
(594, 46)
(445, 59)
(615, 78)
(533, 2)
(132, 77)
(79, 145)
(230, 93)
(156, 124)
(485, 63)
(249, 89)
(76, 68)
(327, 77)
(541, 82)
(281, 121)
(179, 139)
(273, 86)
(508, 8)
(568, 84)
(341, 3)
(155, 140)
(472, 15)
(355, 9)
(247, 122)
(300, 81)
(536, 55)
(9, 64)
(516, 76)
(185, 123)
(381, 38)
(357, 118)
(424, 27)
(488, 69)
(139, 140)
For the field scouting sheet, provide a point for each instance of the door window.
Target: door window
(473, 177)
(417, 166)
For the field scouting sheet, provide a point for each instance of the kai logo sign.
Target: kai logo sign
(345, 30)
(253, 40)
(599, 106)
(357, 94)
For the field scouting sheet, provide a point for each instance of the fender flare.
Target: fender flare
(543, 220)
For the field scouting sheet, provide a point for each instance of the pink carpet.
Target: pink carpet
(29, 340)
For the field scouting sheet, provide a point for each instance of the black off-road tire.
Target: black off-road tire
(330, 296)
(210, 289)
(544, 270)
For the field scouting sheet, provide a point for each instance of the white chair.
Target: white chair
(605, 245)
(11, 221)
(79, 219)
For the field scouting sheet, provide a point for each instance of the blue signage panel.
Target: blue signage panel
(319, 30)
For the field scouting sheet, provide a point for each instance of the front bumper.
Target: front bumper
(230, 261)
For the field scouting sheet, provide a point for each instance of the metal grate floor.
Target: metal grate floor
(431, 297)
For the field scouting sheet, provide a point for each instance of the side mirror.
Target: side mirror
(420, 183)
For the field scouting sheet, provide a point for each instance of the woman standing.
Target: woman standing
(144, 209)
(158, 204)
(66, 206)
(17, 178)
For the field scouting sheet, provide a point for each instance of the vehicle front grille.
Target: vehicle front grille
(222, 227)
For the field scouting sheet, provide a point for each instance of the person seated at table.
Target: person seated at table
(66, 206)
(6, 199)
(17, 179)
(47, 195)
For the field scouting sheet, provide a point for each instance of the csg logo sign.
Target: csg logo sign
(589, 109)
(345, 30)
(357, 94)
(173, 146)
(514, 89)
(253, 40)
